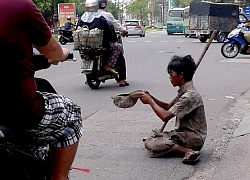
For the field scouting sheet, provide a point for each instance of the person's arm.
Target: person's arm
(112, 21)
(162, 104)
(53, 51)
(41, 37)
(160, 108)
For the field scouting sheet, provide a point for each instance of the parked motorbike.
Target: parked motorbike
(92, 65)
(22, 155)
(236, 43)
(65, 36)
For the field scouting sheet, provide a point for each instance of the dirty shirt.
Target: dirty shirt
(190, 125)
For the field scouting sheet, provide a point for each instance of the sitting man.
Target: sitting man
(190, 132)
(93, 19)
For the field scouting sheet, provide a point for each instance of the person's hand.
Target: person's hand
(124, 32)
(145, 97)
(65, 55)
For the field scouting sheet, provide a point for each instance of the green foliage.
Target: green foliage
(112, 9)
(45, 6)
(139, 9)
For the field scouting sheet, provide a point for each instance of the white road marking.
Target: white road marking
(236, 60)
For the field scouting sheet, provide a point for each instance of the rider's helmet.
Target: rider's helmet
(69, 18)
(91, 5)
(102, 4)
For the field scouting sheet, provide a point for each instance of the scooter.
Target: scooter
(93, 62)
(65, 36)
(22, 155)
(236, 43)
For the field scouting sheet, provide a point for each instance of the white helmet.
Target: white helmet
(91, 5)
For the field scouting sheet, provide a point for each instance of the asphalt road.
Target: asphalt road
(111, 146)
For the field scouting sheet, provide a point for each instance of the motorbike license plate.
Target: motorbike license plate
(87, 66)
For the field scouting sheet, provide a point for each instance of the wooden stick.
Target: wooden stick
(198, 62)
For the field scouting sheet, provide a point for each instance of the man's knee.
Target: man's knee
(158, 146)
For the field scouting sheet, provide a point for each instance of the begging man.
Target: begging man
(189, 135)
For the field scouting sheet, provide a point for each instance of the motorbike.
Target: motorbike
(65, 36)
(93, 62)
(236, 43)
(22, 155)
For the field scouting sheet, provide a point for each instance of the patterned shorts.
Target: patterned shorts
(61, 125)
(116, 49)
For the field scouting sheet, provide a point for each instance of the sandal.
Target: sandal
(193, 158)
(125, 84)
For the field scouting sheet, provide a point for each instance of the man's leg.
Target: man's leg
(61, 161)
(122, 70)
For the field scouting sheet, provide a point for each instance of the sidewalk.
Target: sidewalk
(112, 148)
(235, 164)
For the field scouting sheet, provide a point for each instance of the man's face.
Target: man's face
(175, 79)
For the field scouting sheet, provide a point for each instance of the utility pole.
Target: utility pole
(119, 12)
(153, 9)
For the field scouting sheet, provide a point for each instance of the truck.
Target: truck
(205, 17)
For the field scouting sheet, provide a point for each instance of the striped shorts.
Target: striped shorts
(61, 125)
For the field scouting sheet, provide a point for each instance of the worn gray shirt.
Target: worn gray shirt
(188, 108)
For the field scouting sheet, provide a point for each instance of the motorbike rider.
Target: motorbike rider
(117, 27)
(247, 25)
(109, 17)
(52, 117)
(246, 34)
(93, 19)
(68, 26)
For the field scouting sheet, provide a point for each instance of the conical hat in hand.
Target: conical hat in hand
(127, 100)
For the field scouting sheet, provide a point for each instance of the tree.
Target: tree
(45, 6)
(139, 9)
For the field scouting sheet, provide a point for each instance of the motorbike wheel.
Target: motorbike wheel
(203, 39)
(221, 37)
(229, 50)
(62, 40)
(93, 83)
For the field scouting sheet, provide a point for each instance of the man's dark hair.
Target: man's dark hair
(102, 4)
(185, 65)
